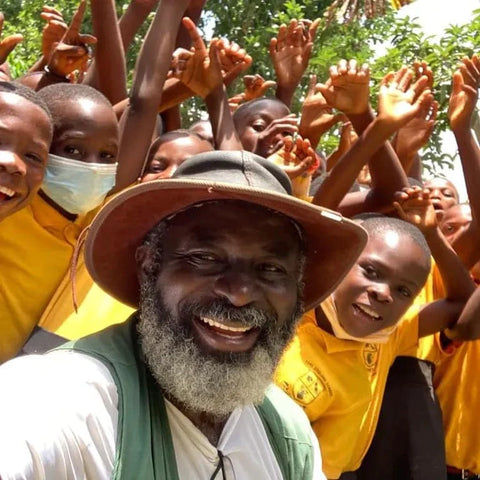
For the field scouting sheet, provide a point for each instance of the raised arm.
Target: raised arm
(397, 106)
(463, 99)
(139, 119)
(290, 52)
(414, 205)
(133, 18)
(8, 43)
(107, 72)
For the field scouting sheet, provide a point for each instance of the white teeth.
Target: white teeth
(368, 311)
(7, 191)
(222, 326)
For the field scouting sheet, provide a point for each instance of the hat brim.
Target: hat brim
(333, 242)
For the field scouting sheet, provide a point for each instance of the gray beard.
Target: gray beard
(200, 381)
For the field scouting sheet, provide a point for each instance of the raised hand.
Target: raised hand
(298, 160)
(464, 95)
(400, 99)
(290, 52)
(7, 44)
(233, 60)
(54, 30)
(71, 53)
(348, 88)
(413, 205)
(198, 68)
(255, 87)
(271, 139)
(317, 116)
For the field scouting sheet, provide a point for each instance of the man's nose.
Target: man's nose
(238, 287)
(12, 163)
(381, 292)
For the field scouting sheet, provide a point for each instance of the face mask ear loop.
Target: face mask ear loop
(73, 265)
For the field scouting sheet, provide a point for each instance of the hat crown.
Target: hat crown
(237, 167)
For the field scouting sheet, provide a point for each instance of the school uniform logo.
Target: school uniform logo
(370, 352)
(307, 388)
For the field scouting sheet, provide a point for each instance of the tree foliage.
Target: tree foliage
(385, 42)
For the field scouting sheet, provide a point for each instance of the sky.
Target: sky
(434, 19)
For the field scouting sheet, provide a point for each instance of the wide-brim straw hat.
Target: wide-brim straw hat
(333, 243)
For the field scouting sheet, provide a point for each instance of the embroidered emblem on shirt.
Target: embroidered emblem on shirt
(307, 388)
(370, 356)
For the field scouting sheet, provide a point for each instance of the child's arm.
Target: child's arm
(133, 18)
(107, 72)
(317, 116)
(395, 109)
(290, 52)
(416, 133)
(414, 205)
(7, 44)
(463, 99)
(199, 69)
(139, 119)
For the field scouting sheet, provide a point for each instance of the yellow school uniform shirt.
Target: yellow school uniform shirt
(458, 391)
(36, 245)
(96, 309)
(340, 384)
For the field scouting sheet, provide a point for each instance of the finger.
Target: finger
(48, 17)
(312, 31)
(388, 78)
(266, 85)
(87, 39)
(472, 69)
(76, 22)
(342, 67)
(281, 36)
(273, 47)
(52, 10)
(311, 85)
(197, 40)
(406, 80)
(2, 19)
(9, 43)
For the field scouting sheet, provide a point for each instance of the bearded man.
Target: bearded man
(220, 273)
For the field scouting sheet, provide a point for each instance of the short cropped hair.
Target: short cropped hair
(377, 223)
(57, 94)
(250, 107)
(27, 94)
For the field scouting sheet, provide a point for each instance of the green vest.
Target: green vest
(144, 448)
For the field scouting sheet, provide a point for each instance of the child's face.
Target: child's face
(88, 133)
(25, 135)
(251, 126)
(382, 285)
(442, 193)
(171, 154)
(455, 221)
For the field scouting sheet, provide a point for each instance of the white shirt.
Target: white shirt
(58, 420)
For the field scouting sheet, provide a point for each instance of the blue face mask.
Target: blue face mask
(76, 186)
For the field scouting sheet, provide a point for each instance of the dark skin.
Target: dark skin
(170, 154)
(25, 135)
(205, 257)
(88, 133)
(442, 193)
(263, 128)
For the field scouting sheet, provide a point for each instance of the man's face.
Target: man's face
(442, 194)
(226, 295)
(25, 135)
(382, 285)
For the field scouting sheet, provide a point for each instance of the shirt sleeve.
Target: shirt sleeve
(58, 417)
(317, 459)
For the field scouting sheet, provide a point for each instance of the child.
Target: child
(25, 136)
(337, 365)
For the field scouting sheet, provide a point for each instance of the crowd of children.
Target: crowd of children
(385, 367)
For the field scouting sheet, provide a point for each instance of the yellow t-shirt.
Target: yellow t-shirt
(37, 244)
(96, 309)
(340, 385)
(458, 391)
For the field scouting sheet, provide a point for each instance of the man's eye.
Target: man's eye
(203, 258)
(271, 268)
(72, 150)
(34, 157)
(259, 127)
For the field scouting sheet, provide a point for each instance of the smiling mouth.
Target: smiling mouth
(220, 336)
(367, 311)
(6, 193)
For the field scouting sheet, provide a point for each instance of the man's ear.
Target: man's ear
(146, 264)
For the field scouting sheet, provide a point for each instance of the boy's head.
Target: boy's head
(388, 275)
(253, 118)
(170, 150)
(203, 128)
(85, 125)
(25, 136)
(82, 162)
(442, 193)
(455, 220)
